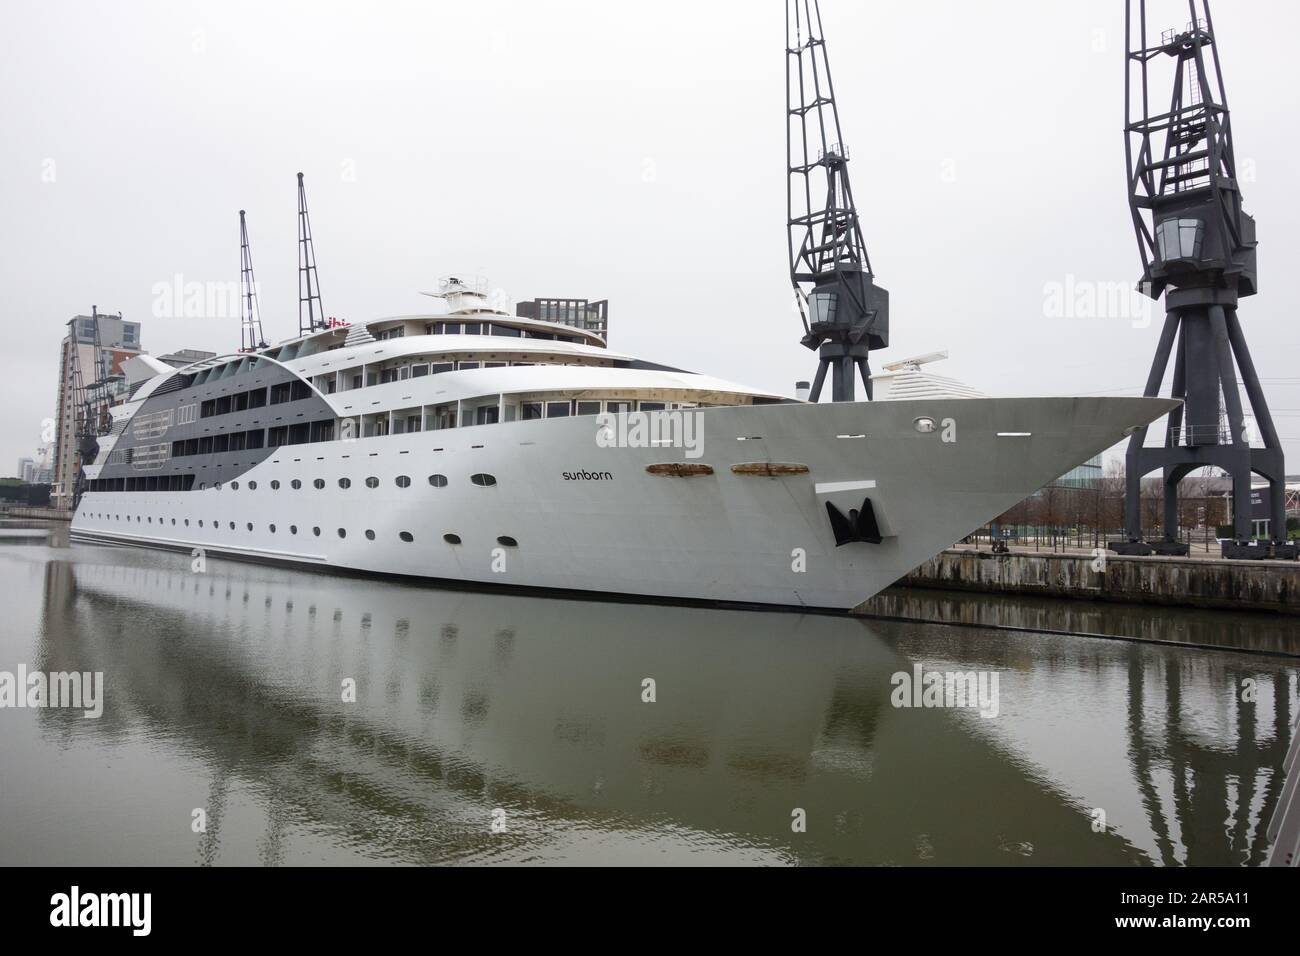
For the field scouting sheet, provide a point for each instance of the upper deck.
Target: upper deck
(475, 366)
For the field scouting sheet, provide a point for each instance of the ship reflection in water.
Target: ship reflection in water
(490, 728)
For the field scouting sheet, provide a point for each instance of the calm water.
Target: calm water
(223, 692)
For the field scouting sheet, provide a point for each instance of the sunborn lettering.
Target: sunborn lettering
(588, 475)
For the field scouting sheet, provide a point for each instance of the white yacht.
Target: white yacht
(474, 447)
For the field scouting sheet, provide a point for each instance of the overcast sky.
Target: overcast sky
(614, 150)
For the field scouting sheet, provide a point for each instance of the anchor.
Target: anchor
(860, 525)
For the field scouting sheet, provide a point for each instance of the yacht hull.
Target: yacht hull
(576, 510)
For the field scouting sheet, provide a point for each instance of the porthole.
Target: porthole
(370, 535)
(316, 532)
(252, 486)
(507, 541)
(232, 526)
(372, 482)
(343, 532)
(275, 485)
(272, 529)
(187, 522)
(295, 484)
(216, 486)
(319, 483)
(150, 521)
(451, 538)
(293, 529)
(924, 424)
(485, 481)
(200, 522)
(402, 481)
(173, 522)
(345, 482)
(234, 486)
(438, 481)
(202, 485)
(406, 536)
(250, 525)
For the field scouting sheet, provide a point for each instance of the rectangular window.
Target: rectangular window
(223, 405)
(356, 381)
(205, 445)
(460, 365)
(237, 441)
(471, 328)
(257, 398)
(209, 408)
(436, 367)
(322, 430)
(419, 371)
(452, 328)
(506, 330)
(495, 364)
(488, 414)
(254, 438)
(530, 410)
(557, 409)
(220, 443)
(241, 402)
(299, 433)
(651, 406)
(280, 393)
(298, 390)
(617, 407)
(277, 436)
(588, 408)
(387, 375)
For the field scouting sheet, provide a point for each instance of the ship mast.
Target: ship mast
(311, 314)
(91, 402)
(250, 335)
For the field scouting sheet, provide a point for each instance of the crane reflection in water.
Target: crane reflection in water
(223, 693)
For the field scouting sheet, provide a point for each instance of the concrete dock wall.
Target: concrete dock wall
(1210, 583)
(43, 514)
